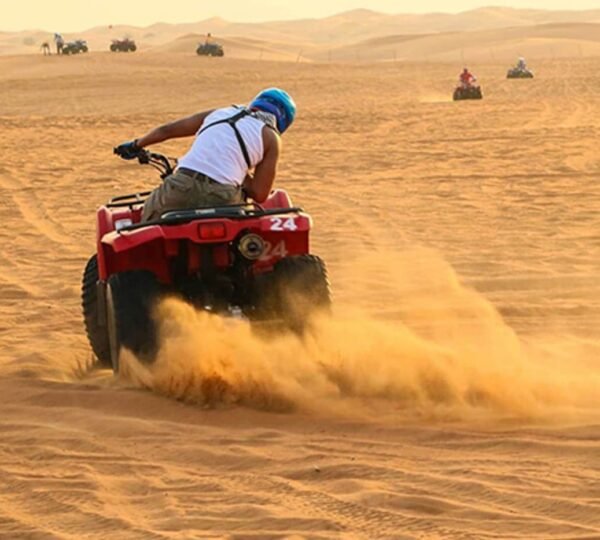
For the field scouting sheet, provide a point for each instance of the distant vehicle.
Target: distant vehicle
(519, 73)
(210, 49)
(123, 45)
(467, 91)
(75, 47)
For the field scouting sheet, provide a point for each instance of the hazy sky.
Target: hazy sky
(70, 15)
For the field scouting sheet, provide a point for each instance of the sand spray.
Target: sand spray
(438, 350)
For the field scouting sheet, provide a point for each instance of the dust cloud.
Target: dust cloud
(440, 351)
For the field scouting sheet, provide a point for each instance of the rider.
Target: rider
(521, 65)
(467, 78)
(229, 144)
(60, 42)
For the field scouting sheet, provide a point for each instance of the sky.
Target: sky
(73, 15)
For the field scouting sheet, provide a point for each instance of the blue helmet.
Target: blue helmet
(277, 102)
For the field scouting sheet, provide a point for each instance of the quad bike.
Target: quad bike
(75, 47)
(247, 260)
(519, 73)
(467, 91)
(210, 49)
(123, 45)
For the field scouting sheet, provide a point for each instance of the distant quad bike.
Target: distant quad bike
(472, 91)
(75, 47)
(519, 73)
(123, 45)
(210, 49)
(248, 261)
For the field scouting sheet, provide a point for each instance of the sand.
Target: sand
(482, 35)
(454, 393)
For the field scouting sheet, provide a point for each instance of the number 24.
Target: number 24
(283, 224)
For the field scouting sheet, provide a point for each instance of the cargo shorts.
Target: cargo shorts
(181, 190)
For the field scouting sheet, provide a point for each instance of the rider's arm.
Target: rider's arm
(259, 186)
(184, 127)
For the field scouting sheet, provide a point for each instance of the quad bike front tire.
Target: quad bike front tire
(132, 48)
(300, 290)
(130, 300)
(95, 328)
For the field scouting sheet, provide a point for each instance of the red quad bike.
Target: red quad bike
(249, 260)
(123, 45)
(467, 91)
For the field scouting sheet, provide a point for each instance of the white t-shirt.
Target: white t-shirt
(217, 153)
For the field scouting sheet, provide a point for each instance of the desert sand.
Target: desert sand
(453, 393)
(483, 35)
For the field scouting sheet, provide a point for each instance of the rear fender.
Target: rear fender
(154, 247)
(284, 235)
(105, 223)
(278, 198)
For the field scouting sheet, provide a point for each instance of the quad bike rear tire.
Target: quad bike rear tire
(113, 48)
(96, 331)
(300, 290)
(130, 300)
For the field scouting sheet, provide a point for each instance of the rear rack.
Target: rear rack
(235, 212)
(128, 200)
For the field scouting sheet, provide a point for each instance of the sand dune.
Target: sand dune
(567, 40)
(240, 48)
(453, 394)
(325, 34)
(544, 41)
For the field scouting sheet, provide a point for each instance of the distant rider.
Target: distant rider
(521, 65)
(60, 43)
(467, 78)
(229, 144)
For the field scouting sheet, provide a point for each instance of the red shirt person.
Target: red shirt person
(466, 77)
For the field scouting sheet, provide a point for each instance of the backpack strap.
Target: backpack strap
(232, 121)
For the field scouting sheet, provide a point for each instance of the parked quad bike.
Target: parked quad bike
(123, 45)
(250, 260)
(210, 49)
(472, 91)
(519, 73)
(75, 47)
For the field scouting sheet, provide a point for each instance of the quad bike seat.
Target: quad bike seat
(196, 213)
(277, 200)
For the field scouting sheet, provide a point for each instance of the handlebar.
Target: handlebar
(163, 164)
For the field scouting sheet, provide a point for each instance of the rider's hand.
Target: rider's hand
(128, 150)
